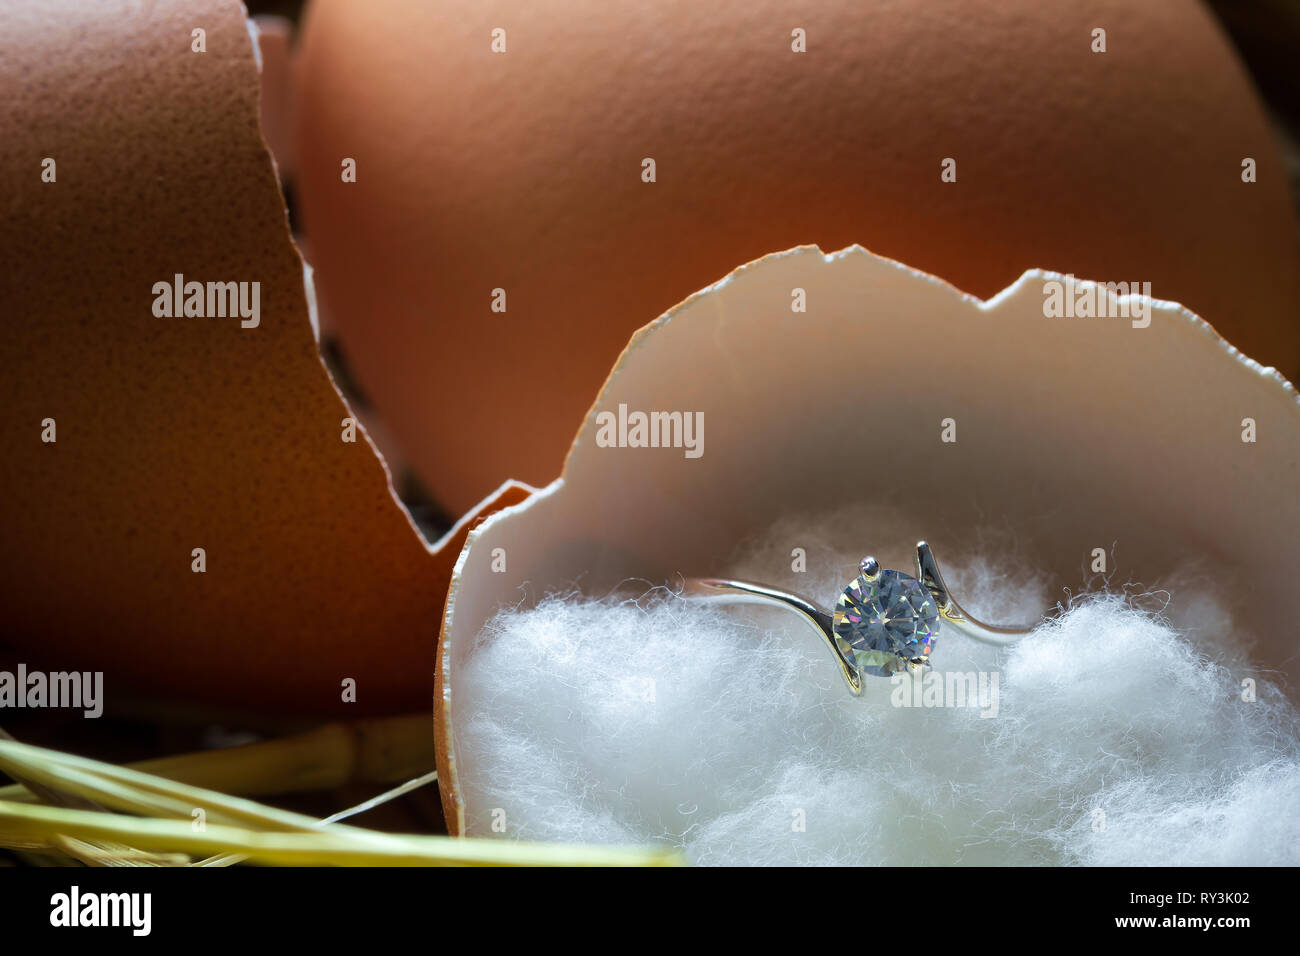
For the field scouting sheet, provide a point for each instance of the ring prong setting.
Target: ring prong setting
(884, 622)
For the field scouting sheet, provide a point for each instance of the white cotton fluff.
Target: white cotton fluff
(1118, 739)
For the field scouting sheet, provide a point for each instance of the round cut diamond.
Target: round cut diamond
(883, 624)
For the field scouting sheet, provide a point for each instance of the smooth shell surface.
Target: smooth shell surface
(1071, 434)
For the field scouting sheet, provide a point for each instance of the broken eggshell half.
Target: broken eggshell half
(187, 504)
(1071, 433)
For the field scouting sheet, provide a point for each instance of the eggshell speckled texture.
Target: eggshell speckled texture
(180, 433)
(522, 171)
(1071, 434)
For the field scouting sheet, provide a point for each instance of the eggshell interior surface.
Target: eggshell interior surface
(1069, 435)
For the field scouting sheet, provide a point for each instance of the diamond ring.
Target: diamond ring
(884, 622)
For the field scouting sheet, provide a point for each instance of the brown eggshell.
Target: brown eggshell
(1071, 434)
(180, 433)
(522, 171)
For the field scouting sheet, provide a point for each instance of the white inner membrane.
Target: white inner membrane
(1131, 730)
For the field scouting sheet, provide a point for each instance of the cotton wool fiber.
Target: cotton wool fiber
(1114, 735)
